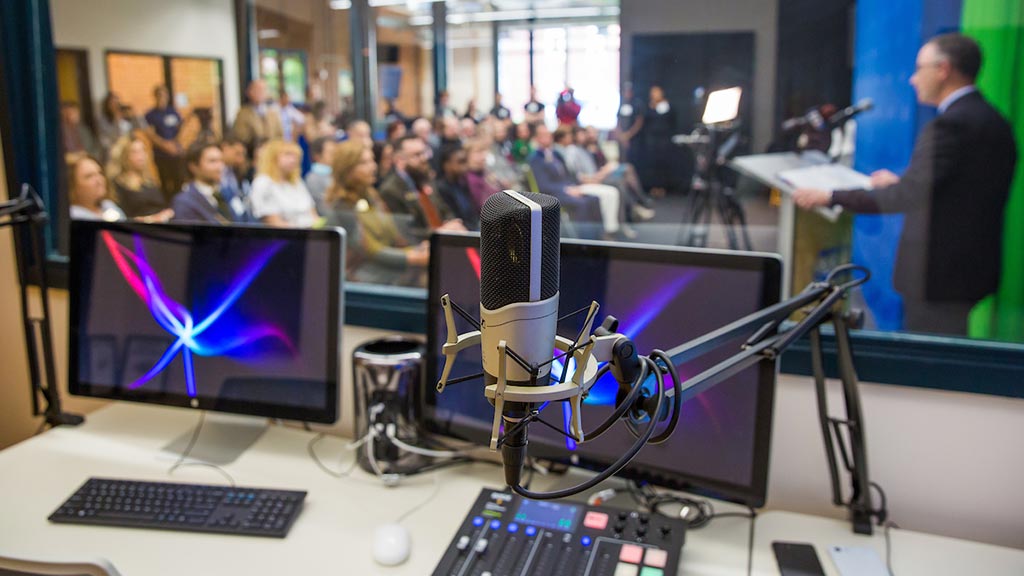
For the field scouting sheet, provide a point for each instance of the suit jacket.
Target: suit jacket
(402, 198)
(253, 129)
(191, 206)
(953, 195)
(554, 177)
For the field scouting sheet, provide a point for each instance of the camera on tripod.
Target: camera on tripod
(714, 142)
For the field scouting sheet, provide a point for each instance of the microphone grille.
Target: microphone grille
(505, 252)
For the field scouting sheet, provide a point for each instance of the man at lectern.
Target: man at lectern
(952, 193)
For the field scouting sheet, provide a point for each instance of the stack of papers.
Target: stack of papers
(825, 177)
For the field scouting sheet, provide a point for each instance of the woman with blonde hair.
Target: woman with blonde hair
(377, 251)
(88, 192)
(279, 196)
(135, 189)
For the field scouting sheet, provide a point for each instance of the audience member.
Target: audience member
(422, 128)
(198, 127)
(88, 192)
(568, 108)
(377, 251)
(384, 156)
(395, 131)
(319, 179)
(135, 189)
(555, 179)
(444, 108)
(581, 164)
(164, 124)
(202, 198)
(360, 131)
(256, 122)
(115, 121)
(406, 190)
(522, 145)
(318, 122)
(452, 187)
(630, 122)
(293, 122)
(78, 138)
(499, 160)
(500, 111)
(471, 112)
(534, 108)
(467, 129)
(592, 143)
(623, 176)
(481, 183)
(392, 114)
(234, 182)
(279, 197)
(656, 160)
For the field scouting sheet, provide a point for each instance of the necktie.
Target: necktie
(429, 210)
(223, 207)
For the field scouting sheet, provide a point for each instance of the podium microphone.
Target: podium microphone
(519, 252)
(840, 118)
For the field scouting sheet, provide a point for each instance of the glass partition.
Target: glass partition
(855, 136)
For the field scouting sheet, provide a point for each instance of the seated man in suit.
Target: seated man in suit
(406, 190)
(953, 193)
(201, 200)
(580, 200)
(233, 182)
(452, 187)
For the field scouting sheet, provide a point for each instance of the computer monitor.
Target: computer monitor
(236, 319)
(663, 297)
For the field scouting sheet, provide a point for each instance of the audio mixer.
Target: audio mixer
(507, 535)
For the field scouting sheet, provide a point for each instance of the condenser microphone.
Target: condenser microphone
(519, 251)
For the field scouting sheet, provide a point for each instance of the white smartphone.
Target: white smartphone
(857, 561)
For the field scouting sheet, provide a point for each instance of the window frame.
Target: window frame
(905, 359)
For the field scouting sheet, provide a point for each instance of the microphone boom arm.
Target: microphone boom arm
(821, 303)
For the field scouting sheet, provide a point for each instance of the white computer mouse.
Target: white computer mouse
(391, 544)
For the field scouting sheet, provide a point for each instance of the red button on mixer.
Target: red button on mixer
(595, 520)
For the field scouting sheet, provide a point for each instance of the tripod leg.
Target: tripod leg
(725, 215)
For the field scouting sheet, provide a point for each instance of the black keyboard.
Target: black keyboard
(188, 507)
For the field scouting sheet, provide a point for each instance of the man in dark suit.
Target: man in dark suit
(407, 192)
(953, 193)
(554, 179)
(201, 200)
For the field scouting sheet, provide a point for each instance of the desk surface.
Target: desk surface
(333, 534)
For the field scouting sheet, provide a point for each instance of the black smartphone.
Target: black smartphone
(797, 559)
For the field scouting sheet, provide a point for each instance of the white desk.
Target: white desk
(333, 533)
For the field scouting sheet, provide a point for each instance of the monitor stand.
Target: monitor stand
(223, 438)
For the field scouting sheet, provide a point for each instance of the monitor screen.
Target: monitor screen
(234, 319)
(663, 297)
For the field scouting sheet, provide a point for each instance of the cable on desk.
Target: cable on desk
(888, 547)
(703, 512)
(311, 449)
(424, 502)
(887, 524)
(750, 541)
(188, 450)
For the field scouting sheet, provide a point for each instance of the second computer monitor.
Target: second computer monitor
(663, 297)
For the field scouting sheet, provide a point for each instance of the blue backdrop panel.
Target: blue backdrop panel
(889, 34)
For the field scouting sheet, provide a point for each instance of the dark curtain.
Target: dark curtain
(29, 108)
